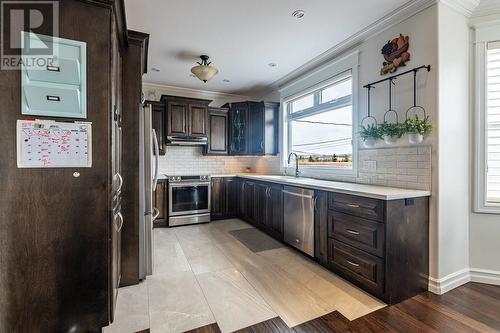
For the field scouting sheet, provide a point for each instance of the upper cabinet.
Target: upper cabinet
(158, 122)
(185, 117)
(217, 132)
(253, 128)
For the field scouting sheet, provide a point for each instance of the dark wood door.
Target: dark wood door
(217, 132)
(238, 127)
(160, 202)
(261, 197)
(232, 196)
(197, 119)
(218, 198)
(274, 211)
(177, 118)
(321, 227)
(158, 123)
(256, 127)
(248, 201)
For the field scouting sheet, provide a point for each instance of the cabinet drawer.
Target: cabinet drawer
(65, 71)
(361, 233)
(358, 206)
(60, 100)
(366, 269)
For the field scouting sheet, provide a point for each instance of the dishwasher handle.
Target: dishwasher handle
(299, 194)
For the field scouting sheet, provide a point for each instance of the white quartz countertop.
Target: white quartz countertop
(370, 191)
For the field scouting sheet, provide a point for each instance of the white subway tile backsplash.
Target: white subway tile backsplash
(398, 167)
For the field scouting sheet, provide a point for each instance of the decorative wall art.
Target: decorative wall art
(396, 54)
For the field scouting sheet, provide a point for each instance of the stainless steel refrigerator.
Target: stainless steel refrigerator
(148, 170)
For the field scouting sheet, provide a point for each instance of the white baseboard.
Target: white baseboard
(454, 280)
(485, 276)
(449, 282)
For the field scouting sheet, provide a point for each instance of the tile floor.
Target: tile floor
(202, 275)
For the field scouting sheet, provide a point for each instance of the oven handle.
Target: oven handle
(189, 184)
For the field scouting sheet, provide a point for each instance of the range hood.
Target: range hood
(186, 141)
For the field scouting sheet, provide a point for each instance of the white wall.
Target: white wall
(453, 142)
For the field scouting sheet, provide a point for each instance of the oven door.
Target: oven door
(188, 198)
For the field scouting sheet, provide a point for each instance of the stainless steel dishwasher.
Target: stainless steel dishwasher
(299, 218)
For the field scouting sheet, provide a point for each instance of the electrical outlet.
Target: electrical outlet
(370, 165)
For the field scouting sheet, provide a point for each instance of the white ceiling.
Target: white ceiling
(243, 36)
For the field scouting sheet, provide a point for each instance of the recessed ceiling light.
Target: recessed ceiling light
(272, 64)
(298, 14)
(154, 69)
(226, 80)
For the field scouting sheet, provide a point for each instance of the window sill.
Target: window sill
(488, 208)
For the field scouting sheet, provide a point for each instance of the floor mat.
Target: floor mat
(255, 240)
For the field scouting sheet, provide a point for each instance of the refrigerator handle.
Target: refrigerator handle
(156, 153)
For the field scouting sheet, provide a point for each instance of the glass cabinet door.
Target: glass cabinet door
(239, 128)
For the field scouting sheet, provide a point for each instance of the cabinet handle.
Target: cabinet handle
(156, 213)
(53, 68)
(262, 145)
(353, 205)
(352, 263)
(53, 98)
(315, 203)
(353, 232)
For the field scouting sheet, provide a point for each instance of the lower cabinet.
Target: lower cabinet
(224, 198)
(160, 202)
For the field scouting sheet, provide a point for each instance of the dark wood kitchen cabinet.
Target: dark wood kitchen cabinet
(217, 132)
(160, 202)
(186, 117)
(224, 198)
(247, 203)
(158, 116)
(381, 246)
(253, 128)
(268, 208)
(321, 227)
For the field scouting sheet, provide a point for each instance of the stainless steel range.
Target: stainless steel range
(188, 200)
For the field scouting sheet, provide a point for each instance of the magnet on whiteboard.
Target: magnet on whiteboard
(76, 174)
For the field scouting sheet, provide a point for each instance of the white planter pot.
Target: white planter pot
(415, 138)
(369, 143)
(390, 140)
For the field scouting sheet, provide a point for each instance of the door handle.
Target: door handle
(118, 227)
(156, 213)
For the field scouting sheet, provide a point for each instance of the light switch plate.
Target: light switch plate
(370, 165)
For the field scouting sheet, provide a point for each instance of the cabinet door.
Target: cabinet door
(232, 197)
(218, 136)
(197, 119)
(256, 125)
(261, 204)
(321, 227)
(158, 123)
(177, 117)
(275, 211)
(238, 139)
(217, 198)
(249, 204)
(160, 202)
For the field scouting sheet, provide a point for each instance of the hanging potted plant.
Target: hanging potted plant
(369, 134)
(416, 129)
(390, 132)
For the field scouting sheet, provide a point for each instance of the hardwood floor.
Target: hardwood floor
(472, 307)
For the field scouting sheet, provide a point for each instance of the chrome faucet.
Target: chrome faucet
(296, 163)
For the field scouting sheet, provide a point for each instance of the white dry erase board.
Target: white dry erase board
(50, 144)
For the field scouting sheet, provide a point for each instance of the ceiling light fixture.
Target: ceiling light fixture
(204, 71)
(298, 14)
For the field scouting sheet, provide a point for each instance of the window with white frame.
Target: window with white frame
(493, 122)
(319, 125)
(487, 127)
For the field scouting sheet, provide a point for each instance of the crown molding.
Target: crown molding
(397, 16)
(182, 90)
(486, 9)
(464, 7)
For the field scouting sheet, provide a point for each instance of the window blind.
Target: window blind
(493, 122)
